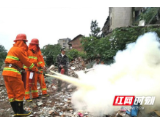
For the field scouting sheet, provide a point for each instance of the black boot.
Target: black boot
(20, 111)
(13, 105)
(45, 95)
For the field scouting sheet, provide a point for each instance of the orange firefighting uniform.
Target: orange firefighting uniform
(33, 57)
(12, 77)
(41, 79)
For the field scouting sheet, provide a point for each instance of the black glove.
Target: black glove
(22, 70)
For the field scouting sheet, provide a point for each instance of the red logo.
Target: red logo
(123, 100)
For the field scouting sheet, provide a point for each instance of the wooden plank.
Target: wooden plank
(157, 112)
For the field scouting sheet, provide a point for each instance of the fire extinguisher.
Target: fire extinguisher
(62, 71)
(31, 79)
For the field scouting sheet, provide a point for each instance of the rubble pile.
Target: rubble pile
(5, 108)
(78, 63)
(1, 79)
(57, 104)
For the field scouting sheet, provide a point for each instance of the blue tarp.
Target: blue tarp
(134, 111)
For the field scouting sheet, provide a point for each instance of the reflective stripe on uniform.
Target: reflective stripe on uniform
(32, 65)
(32, 57)
(40, 62)
(11, 69)
(24, 66)
(44, 89)
(11, 100)
(12, 57)
(34, 91)
(18, 100)
(27, 92)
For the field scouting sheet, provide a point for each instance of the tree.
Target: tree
(108, 46)
(73, 53)
(90, 46)
(3, 54)
(50, 53)
(90, 43)
(95, 30)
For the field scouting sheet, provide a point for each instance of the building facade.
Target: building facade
(76, 43)
(130, 16)
(120, 17)
(64, 42)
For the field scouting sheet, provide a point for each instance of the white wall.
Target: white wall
(64, 43)
(120, 17)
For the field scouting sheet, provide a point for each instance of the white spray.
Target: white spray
(136, 71)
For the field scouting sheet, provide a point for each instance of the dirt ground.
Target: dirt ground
(58, 104)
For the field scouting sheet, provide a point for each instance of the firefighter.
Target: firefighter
(31, 78)
(62, 63)
(40, 77)
(12, 74)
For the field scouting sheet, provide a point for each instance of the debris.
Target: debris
(80, 114)
(123, 109)
(39, 103)
(58, 104)
(50, 112)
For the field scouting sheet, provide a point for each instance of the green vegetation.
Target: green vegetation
(50, 53)
(108, 46)
(3, 54)
(73, 53)
(95, 30)
(149, 15)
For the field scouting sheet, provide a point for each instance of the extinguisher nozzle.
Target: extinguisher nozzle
(44, 74)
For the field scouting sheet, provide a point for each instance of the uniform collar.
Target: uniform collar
(62, 55)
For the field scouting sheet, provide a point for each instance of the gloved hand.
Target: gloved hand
(44, 68)
(61, 66)
(39, 72)
(34, 69)
(23, 70)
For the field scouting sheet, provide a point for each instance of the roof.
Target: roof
(76, 37)
(107, 20)
(65, 39)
